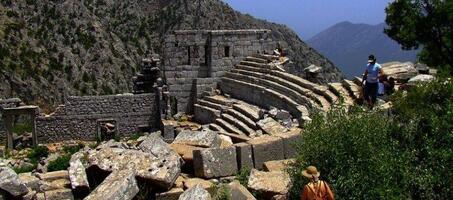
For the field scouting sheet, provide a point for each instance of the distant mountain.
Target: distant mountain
(348, 45)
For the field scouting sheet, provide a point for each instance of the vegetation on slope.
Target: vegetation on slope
(370, 155)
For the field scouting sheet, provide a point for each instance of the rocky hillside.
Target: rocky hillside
(93, 47)
(348, 45)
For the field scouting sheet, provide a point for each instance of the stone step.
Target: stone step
(219, 99)
(317, 89)
(353, 89)
(259, 80)
(253, 64)
(246, 120)
(252, 112)
(235, 137)
(228, 127)
(321, 101)
(340, 91)
(204, 114)
(211, 104)
(255, 59)
(267, 57)
(262, 96)
(239, 124)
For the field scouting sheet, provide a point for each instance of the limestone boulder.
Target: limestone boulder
(205, 138)
(154, 144)
(161, 171)
(11, 183)
(120, 184)
(172, 194)
(59, 194)
(51, 176)
(421, 78)
(271, 126)
(269, 183)
(215, 162)
(278, 165)
(30, 180)
(239, 192)
(77, 173)
(266, 148)
(192, 182)
(195, 193)
(401, 72)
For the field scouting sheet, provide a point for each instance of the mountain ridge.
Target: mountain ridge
(348, 45)
(94, 47)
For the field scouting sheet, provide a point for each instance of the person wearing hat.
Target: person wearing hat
(371, 78)
(316, 189)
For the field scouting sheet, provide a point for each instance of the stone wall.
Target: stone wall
(6, 103)
(195, 60)
(78, 118)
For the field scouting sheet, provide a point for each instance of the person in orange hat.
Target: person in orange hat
(316, 189)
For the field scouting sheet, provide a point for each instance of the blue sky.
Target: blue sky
(308, 17)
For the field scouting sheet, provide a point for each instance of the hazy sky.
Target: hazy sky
(308, 17)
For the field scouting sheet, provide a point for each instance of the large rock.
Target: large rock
(195, 193)
(269, 183)
(401, 72)
(421, 78)
(11, 183)
(205, 138)
(244, 155)
(215, 162)
(192, 182)
(270, 126)
(154, 144)
(239, 192)
(160, 171)
(289, 140)
(59, 194)
(30, 181)
(77, 173)
(51, 176)
(278, 165)
(120, 184)
(172, 194)
(266, 148)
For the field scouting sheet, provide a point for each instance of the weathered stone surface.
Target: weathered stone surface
(289, 140)
(161, 171)
(11, 183)
(77, 173)
(205, 138)
(29, 180)
(60, 194)
(278, 165)
(168, 130)
(179, 183)
(215, 162)
(421, 78)
(2, 151)
(401, 72)
(269, 183)
(270, 126)
(266, 148)
(51, 176)
(120, 184)
(111, 144)
(172, 194)
(185, 151)
(226, 141)
(40, 196)
(192, 182)
(54, 185)
(244, 156)
(195, 193)
(239, 192)
(29, 196)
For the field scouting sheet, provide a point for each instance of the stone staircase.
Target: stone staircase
(261, 84)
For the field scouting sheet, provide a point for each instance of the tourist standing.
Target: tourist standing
(371, 78)
(316, 189)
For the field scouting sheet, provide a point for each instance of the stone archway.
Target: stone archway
(8, 118)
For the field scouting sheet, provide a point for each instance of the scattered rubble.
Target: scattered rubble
(269, 184)
(120, 184)
(11, 183)
(197, 192)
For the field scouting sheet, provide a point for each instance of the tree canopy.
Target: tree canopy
(427, 24)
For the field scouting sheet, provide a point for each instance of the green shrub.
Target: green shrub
(24, 169)
(73, 149)
(21, 128)
(370, 155)
(222, 192)
(38, 152)
(243, 176)
(61, 163)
